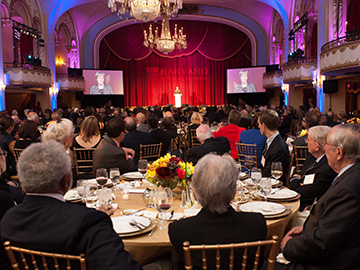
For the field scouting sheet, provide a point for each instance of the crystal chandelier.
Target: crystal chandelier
(166, 43)
(145, 10)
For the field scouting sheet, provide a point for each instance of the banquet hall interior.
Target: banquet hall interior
(308, 50)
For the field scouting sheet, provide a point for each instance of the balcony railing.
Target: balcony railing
(350, 37)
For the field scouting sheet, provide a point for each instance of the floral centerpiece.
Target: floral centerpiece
(354, 120)
(168, 171)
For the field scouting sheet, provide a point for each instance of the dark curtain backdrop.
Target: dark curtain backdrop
(26, 47)
(199, 71)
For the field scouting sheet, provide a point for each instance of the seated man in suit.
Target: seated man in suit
(275, 149)
(244, 122)
(214, 184)
(316, 177)
(45, 222)
(219, 145)
(330, 236)
(310, 120)
(108, 154)
(140, 123)
(134, 138)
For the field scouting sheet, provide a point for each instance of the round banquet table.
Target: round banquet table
(145, 248)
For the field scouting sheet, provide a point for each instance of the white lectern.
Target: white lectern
(177, 95)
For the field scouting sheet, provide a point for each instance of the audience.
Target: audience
(89, 136)
(275, 149)
(209, 144)
(60, 131)
(285, 123)
(158, 135)
(214, 186)
(45, 222)
(108, 154)
(231, 131)
(329, 117)
(316, 175)
(330, 236)
(140, 122)
(310, 120)
(28, 134)
(244, 122)
(7, 143)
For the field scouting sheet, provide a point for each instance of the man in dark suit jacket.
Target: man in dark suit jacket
(285, 123)
(140, 123)
(310, 120)
(108, 154)
(134, 138)
(45, 222)
(274, 149)
(217, 222)
(318, 176)
(330, 236)
(244, 122)
(209, 144)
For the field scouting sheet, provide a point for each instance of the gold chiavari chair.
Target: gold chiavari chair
(21, 258)
(150, 151)
(300, 153)
(193, 138)
(174, 144)
(244, 150)
(83, 158)
(231, 247)
(17, 152)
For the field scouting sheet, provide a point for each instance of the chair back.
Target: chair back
(174, 144)
(244, 150)
(300, 153)
(193, 138)
(21, 258)
(17, 152)
(150, 151)
(83, 158)
(244, 248)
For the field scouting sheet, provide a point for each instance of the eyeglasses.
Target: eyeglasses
(4, 153)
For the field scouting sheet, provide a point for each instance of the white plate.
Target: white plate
(133, 175)
(121, 224)
(282, 194)
(72, 195)
(265, 208)
(93, 181)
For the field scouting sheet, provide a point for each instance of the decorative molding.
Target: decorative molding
(298, 73)
(69, 83)
(67, 20)
(29, 77)
(272, 79)
(344, 56)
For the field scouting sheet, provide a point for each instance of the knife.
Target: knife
(137, 211)
(171, 214)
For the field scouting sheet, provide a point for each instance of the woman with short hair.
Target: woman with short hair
(28, 134)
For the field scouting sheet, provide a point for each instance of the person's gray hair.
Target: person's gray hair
(214, 182)
(347, 136)
(58, 130)
(42, 166)
(32, 116)
(319, 134)
(203, 133)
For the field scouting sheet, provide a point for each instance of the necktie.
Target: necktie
(265, 148)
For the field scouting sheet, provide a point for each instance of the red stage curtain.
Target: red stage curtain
(199, 71)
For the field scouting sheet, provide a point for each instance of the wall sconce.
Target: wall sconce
(2, 86)
(59, 61)
(54, 91)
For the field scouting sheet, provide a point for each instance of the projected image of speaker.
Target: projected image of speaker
(330, 86)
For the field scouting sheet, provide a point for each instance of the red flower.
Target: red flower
(163, 172)
(180, 173)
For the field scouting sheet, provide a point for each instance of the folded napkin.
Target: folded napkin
(97, 205)
(136, 190)
(150, 214)
(191, 212)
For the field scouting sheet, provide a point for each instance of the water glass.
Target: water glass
(81, 189)
(256, 175)
(142, 166)
(148, 197)
(105, 196)
(91, 196)
(276, 170)
(115, 176)
(265, 186)
(249, 163)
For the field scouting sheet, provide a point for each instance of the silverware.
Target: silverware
(171, 214)
(137, 211)
(137, 224)
(276, 190)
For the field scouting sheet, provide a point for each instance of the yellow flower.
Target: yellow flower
(163, 164)
(152, 174)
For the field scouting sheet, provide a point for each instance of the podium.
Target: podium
(177, 95)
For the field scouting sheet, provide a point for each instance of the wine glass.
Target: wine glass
(249, 163)
(91, 194)
(115, 176)
(265, 186)
(101, 176)
(163, 201)
(148, 197)
(142, 166)
(81, 189)
(276, 170)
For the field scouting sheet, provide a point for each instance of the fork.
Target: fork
(134, 223)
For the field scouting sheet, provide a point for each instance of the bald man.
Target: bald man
(209, 144)
(140, 123)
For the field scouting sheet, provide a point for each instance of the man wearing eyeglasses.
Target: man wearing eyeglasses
(330, 236)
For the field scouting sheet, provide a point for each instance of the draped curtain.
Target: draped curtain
(199, 70)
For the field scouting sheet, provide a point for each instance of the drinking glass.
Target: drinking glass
(148, 197)
(115, 176)
(276, 170)
(105, 196)
(91, 194)
(265, 186)
(81, 189)
(142, 166)
(101, 176)
(256, 175)
(249, 163)
(163, 201)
